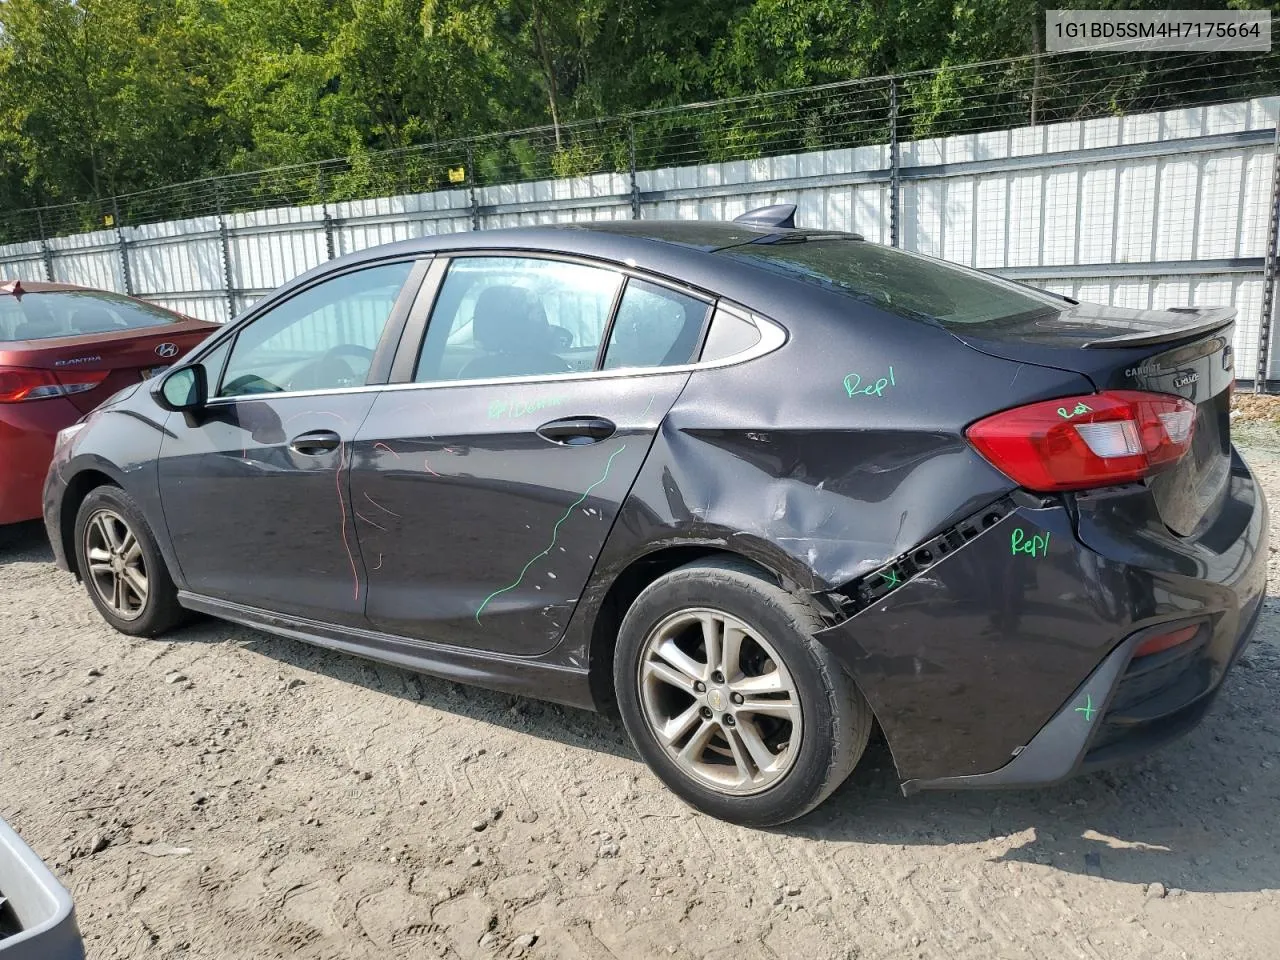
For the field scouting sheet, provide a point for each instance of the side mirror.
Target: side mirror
(186, 388)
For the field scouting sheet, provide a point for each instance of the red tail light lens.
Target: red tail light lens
(1074, 443)
(18, 384)
(1166, 641)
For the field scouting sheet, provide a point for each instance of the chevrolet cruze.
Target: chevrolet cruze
(757, 487)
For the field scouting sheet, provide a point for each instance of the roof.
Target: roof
(37, 286)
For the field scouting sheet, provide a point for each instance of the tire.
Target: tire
(657, 691)
(107, 513)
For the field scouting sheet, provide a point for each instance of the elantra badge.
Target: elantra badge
(167, 350)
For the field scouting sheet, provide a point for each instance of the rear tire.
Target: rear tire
(718, 675)
(121, 566)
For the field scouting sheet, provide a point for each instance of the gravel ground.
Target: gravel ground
(225, 794)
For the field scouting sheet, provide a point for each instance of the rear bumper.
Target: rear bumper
(994, 668)
(1093, 730)
(27, 434)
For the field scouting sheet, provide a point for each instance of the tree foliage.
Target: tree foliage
(107, 97)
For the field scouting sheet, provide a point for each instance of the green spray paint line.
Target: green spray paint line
(555, 532)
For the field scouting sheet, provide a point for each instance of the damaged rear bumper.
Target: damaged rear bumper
(999, 667)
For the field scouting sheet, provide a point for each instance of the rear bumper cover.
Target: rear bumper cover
(997, 667)
(27, 434)
(1068, 744)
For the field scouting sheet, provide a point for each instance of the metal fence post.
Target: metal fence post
(471, 187)
(1269, 274)
(225, 252)
(895, 157)
(635, 187)
(123, 247)
(329, 244)
(46, 255)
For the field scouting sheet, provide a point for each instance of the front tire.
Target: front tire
(121, 565)
(730, 699)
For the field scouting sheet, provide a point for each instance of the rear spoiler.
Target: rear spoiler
(1200, 320)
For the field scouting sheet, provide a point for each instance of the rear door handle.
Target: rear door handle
(315, 443)
(575, 431)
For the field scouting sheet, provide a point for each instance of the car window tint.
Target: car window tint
(516, 316)
(321, 339)
(729, 335)
(74, 313)
(899, 282)
(655, 327)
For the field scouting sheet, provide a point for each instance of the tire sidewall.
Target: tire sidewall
(799, 788)
(159, 582)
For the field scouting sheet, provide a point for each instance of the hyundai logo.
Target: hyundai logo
(167, 350)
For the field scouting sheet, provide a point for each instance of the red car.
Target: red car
(64, 350)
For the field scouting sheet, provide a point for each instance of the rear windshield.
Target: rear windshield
(72, 313)
(899, 282)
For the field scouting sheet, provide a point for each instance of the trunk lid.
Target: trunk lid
(126, 356)
(1181, 351)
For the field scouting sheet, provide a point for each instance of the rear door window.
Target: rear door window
(516, 316)
(75, 313)
(899, 282)
(655, 327)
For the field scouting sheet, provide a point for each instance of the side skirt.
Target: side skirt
(530, 678)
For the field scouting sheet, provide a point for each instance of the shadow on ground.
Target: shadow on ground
(1203, 814)
(25, 543)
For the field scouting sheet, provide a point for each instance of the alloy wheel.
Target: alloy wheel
(117, 567)
(720, 701)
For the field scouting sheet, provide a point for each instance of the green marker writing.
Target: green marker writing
(1088, 708)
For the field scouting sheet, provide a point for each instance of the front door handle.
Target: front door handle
(315, 443)
(575, 431)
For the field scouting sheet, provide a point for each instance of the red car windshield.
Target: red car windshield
(74, 313)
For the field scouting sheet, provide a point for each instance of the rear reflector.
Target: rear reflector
(18, 384)
(1166, 641)
(1097, 440)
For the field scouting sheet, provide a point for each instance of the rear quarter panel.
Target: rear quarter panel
(812, 460)
(841, 450)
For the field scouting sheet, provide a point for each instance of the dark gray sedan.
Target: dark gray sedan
(758, 487)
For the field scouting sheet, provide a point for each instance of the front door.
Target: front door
(254, 487)
(484, 491)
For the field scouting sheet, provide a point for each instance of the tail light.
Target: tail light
(1166, 641)
(18, 384)
(1097, 440)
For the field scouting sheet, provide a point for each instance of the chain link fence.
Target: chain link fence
(1135, 179)
(963, 99)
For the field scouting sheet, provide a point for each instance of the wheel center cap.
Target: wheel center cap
(716, 700)
(117, 564)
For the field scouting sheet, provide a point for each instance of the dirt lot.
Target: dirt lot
(225, 794)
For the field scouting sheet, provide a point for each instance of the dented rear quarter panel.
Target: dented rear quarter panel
(778, 460)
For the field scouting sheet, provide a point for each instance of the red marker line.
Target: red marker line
(342, 506)
(370, 522)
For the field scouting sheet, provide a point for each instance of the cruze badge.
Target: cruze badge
(1186, 379)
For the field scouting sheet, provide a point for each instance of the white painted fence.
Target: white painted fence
(1146, 210)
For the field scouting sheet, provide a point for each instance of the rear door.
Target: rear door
(97, 343)
(484, 488)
